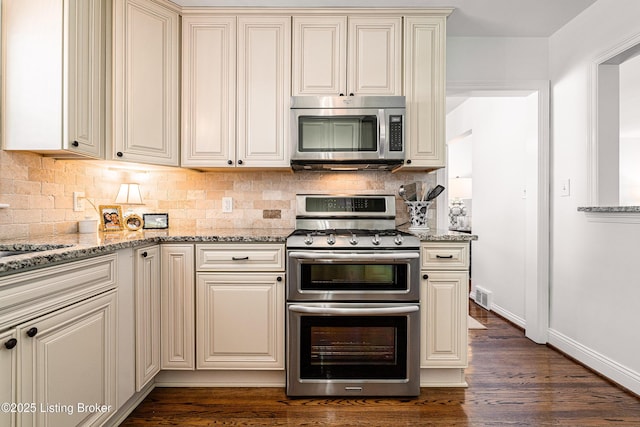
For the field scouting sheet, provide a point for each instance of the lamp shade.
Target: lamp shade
(129, 194)
(460, 188)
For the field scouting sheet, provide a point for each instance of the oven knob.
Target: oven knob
(353, 240)
(331, 239)
(308, 239)
(376, 240)
(398, 239)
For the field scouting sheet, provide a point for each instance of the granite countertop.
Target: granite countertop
(56, 249)
(441, 235)
(609, 209)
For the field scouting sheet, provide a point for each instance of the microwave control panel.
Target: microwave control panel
(395, 133)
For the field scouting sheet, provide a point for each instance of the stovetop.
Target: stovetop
(352, 239)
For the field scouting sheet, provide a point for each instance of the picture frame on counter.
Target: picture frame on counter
(133, 222)
(155, 221)
(110, 218)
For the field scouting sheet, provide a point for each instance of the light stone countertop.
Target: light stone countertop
(57, 249)
(609, 209)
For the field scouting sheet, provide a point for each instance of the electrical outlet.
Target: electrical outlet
(227, 204)
(565, 188)
(78, 201)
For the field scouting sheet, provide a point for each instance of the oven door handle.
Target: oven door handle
(354, 311)
(354, 256)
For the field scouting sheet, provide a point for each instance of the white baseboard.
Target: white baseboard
(517, 320)
(129, 406)
(609, 368)
(215, 378)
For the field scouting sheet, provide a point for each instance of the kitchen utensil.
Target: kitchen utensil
(435, 192)
(411, 192)
(403, 193)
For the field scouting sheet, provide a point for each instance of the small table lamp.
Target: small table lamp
(129, 194)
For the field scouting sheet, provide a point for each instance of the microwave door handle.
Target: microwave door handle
(352, 256)
(354, 311)
(382, 133)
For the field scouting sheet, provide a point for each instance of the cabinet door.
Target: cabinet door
(145, 83)
(375, 56)
(178, 307)
(208, 91)
(8, 358)
(54, 77)
(147, 311)
(264, 88)
(87, 76)
(425, 91)
(241, 321)
(68, 359)
(444, 301)
(319, 55)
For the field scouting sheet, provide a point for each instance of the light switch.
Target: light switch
(565, 187)
(227, 204)
(78, 201)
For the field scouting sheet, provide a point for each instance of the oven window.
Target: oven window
(350, 347)
(335, 276)
(342, 133)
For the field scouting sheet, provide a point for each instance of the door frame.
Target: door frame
(537, 251)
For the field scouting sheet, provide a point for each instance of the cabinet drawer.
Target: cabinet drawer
(242, 256)
(445, 256)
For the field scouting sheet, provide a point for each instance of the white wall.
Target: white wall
(595, 287)
(496, 58)
(502, 127)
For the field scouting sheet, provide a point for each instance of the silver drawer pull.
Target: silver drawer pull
(240, 258)
(444, 257)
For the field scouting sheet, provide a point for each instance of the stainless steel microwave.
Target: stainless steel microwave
(347, 132)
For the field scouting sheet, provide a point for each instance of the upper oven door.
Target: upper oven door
(353, 276)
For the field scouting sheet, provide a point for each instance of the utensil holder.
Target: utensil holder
(418, 214)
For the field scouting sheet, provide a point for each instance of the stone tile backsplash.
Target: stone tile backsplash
(40, 190)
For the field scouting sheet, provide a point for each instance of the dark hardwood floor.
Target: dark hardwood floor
(512, 381)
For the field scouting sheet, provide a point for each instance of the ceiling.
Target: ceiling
(471, 18)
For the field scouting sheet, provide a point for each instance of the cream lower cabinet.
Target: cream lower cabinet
(58, 336)
(424, 82)
(68, 364)
(8, 373)
(147, 313)
(444, 293)
(235, 91)
(240, 306)
(146, 79)
(178, 307)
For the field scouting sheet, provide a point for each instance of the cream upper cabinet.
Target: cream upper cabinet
(208, 91)
(264, 90)
(54, 97)
(145, 63)
(235, 91)
(339, 55)
(424, 81)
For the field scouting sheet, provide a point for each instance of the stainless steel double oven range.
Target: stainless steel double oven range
(352, 299)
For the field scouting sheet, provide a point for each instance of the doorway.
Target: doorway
(509, 206)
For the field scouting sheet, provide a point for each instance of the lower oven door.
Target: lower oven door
(351, 349)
